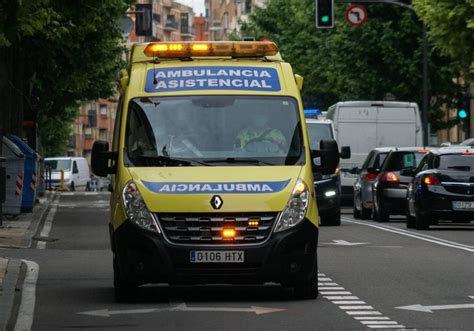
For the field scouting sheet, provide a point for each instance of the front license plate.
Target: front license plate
(463, 205)
(217, 257)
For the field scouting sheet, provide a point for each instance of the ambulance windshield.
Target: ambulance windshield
(214, 130)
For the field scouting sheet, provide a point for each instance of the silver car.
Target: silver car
(363, 184)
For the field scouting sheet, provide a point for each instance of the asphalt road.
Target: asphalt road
(367, 270)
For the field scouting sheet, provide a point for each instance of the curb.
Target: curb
(38, 218)
(9, 287)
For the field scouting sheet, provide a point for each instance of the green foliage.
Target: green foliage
(71, 51)
(354, 63)
(451, 27)
(56, 132)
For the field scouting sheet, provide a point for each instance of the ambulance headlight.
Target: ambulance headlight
(295, 210)
(136, 209)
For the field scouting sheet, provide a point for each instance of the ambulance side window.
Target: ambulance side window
(140, 143)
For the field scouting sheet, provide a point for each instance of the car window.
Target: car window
(368, 160)
(425, 163)
(379, 159)
(318, 132)
(401, 160)
(455, 162)
(74, 168)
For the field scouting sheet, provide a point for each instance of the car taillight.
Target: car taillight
(431, 180)
(390, 177)
(371, 176)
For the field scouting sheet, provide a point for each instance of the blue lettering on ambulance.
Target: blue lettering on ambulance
(212, 78)
(206, 188)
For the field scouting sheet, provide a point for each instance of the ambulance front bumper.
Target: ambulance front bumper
(287, 257)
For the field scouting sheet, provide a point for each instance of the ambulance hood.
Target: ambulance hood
(241, 189)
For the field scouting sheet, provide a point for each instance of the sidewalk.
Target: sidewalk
(17, 233)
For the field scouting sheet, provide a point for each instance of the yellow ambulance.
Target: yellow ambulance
(212, 174)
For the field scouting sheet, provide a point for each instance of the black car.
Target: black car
(389, 189)
(442, 188)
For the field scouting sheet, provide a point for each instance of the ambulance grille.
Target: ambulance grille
(207, 229)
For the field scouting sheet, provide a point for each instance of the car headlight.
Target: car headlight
(295, 210)
(136, 209)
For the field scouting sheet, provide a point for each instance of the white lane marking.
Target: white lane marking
(324, 279)
(344, 243)
(362, 318)
(344, 297)
(363, 312)
(378, 326)
(48, 224)
(431, 239)
(378, 322)
(327, 284)
(356, 308)
(324, 288)
(67, 193)
(28, 297)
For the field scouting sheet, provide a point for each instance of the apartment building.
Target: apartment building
(94, 122)
(224, 17)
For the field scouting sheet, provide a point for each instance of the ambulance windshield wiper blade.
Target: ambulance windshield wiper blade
(153, 160)
(238, 160)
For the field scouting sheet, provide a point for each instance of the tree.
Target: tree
(62, 53)
(382, 56)
(451, 27)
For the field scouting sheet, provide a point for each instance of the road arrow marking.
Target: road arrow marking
(253, 309)
(181, 307)
(429, 309)
(344, 243)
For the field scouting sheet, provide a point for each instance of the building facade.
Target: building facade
(224, 17)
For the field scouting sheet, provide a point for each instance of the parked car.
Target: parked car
(365, 125)
(442, 188)
(328, 187)
(363, 185)
(389, 189)
(76, 171)
(468, 142)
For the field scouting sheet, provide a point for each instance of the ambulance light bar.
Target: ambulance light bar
(236, 49)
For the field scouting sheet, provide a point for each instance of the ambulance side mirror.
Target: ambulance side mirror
(329, 156)
(299, 82)
(101, 157)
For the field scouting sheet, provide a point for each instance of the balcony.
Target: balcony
(187, 32)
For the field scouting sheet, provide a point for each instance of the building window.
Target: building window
(103, 134)
(171, 22)
(157, 17)
(225, 20)
(248, 6)
(92, 118)
(88, 133)
(184, 23)
(103, 110)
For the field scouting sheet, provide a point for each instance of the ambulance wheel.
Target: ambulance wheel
(307, 290)
(123, 290)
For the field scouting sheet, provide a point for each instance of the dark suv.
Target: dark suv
(389, 190)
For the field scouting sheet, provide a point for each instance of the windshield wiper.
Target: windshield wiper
(161, 159)
(467, 168)
(235, 160)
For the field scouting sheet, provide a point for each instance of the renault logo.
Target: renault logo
(216, 202)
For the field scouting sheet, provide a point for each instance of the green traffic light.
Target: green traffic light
(325, 19)
(462, 113)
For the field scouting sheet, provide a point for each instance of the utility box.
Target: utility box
(14, 173)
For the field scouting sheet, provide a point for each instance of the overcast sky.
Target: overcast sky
(198, 5)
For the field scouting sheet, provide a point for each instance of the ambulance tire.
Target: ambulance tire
(123, 290)
(332, 220)
(307, 290)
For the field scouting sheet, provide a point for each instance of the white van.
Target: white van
(365, 125)
(76, 171)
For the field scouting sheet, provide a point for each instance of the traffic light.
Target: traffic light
(324, 14)
(463, 107)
